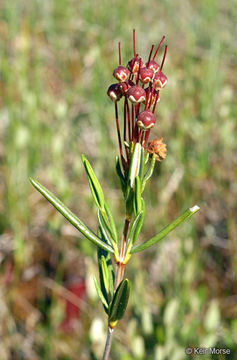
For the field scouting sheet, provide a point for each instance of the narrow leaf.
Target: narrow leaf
(100, 294)
(149, 172)
(135, 164)
(188, 213)
(103, 227)
(106, 230)
(95, 186)
(112, 222)
(136, 226)
(120, 175)
(137, 203)
(111, 280)
(120, 301)
(105, 273)
(72, 218)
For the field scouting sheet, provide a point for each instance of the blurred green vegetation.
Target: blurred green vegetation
(57, 59)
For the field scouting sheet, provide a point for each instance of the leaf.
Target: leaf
(120, 175)
(111, 222)
(95, 186)
(111, 280)
(135, 164)
(120, 301)
(106, 230)
(188, 213)
(136, 226)
(100, 294)
(103, 227)
(149, 172)
(72, 218)
(137, 202)
(105, 273)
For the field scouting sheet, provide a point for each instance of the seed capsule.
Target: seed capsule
(160, 80)
(146, 120)
(125, 86)
(146, 75)
(133, 65)
(121, 73)
(153, 66)
(136, 94)
(114, 92)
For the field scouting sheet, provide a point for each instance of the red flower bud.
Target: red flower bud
(146, 120)
(133, 65)
(146, 75)
(153, 66)
(121, 73)
(114, 92)
(125, 86)
(160, 80)
(136, 94)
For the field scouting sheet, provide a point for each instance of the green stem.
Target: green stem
(108, 344)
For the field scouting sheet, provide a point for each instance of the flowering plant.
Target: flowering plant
(139, 85)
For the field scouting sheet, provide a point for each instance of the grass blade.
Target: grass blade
(187, 214)
(72, 218)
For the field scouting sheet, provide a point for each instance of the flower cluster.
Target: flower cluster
(139, 83)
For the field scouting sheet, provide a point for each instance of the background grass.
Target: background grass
(57, 59)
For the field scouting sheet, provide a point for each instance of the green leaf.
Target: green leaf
(149, 172)
(72, 218)
(106, 230)
(187, 214)
(105, 273)
(104, 227)
(111, 280)
(95, 186)
(111, 222)
(135, 164)
(120, 175)
(100, 294)
(120, 301)
(137, 202)
(136, 227)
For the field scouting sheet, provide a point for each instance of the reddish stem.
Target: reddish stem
(149, 58)
(118, 131)
(163, 60)
(146, 137)
(156, 100)
(119, 50)
(157, 49)
(152, 91)
(129, 121)
(134, 44)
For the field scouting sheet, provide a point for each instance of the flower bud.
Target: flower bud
(146, 120)
(125, 86)
(114, 92)
(136, 94)
(121, 73)
(146, 75)
(160, 80)
(133, 65)
(153, 66)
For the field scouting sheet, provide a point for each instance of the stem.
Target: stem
(118, 278)
(108, 343)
